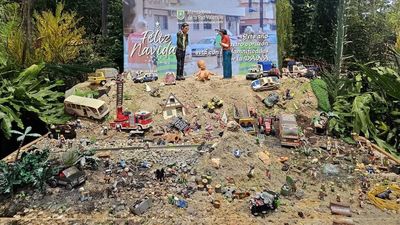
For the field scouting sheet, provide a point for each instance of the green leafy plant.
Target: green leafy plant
(70, 157)
(320, 90)
(87, 93)
(32, 170)
(28, 92)
(22, 137)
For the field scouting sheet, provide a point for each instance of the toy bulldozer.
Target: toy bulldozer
(215, 103)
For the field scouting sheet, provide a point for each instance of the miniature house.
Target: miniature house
(173, 107)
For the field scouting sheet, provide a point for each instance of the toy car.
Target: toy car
(170, 78)
(271, 100)
(70, 177)
(255, 72)
(265, 83)
(142, 77)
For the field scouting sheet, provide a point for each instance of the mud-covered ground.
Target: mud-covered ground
(110, 201)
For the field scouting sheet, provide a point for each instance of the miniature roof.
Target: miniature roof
(91, 102)
(176, 104)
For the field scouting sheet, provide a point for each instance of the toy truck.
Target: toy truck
(255, 72)
(288, 130)
(138, 121)
(262, 69)
(243, 117)
(294, 69)
(102, 75)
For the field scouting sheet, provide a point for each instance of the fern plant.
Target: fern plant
(28, 92)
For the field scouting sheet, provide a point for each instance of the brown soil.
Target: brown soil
(64, 207)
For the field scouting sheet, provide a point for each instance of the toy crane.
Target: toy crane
(138, 121)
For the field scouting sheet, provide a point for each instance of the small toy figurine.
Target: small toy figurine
(288, 95)
(250, 174)
(160, 174)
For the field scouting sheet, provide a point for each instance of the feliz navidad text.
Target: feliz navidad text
(153, 42)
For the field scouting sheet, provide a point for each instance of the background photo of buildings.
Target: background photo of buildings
(237, 16)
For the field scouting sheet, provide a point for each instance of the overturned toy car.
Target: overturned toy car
(271, 100)
(265, 84)
(69, 178)
(264, 202)
(142, 77)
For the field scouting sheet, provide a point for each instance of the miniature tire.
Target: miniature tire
(68, 187)
(156, 78)
(91, 117)
(103, 82)
(141, 81)
(53, 183)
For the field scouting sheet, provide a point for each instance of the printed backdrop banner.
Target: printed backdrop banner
(150, 28)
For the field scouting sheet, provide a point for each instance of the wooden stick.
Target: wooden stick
(377, 148)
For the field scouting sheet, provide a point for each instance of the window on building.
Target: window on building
(163, 20)
(206, 25)
(196, 25)
(169, 112)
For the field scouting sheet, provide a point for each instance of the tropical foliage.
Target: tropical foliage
(368, 105)
(321, 92)
(59, 38)
(285, 29)
(27, 91)
(22, 136)
(32, 169)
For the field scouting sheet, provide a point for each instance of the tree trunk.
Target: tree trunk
(340, 36)
(19, 149)
(104, 9)
(27, 24)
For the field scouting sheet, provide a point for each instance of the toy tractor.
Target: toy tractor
(265, 125)
(215, 103)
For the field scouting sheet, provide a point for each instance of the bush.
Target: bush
(320, 90)
(32, 170)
